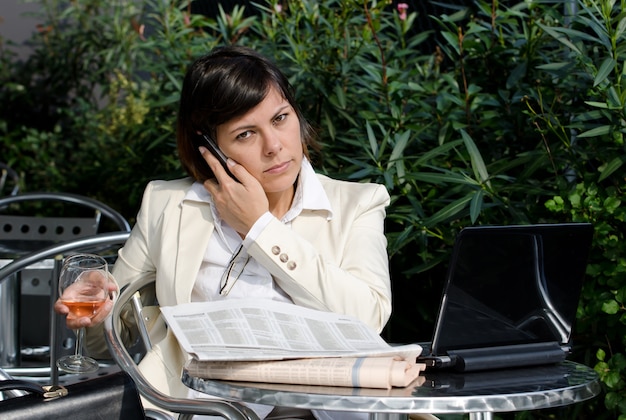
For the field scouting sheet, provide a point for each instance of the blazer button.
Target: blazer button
(275, 250)
(291, 265)
(283, 258)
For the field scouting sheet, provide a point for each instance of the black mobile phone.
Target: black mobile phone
(212, 146)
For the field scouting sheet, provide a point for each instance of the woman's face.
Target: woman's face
(266, 141)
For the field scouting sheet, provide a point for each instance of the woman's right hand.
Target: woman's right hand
(76, 323)
(240, 204)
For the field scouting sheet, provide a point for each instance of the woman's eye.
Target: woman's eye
(244, 135)
(280, 118)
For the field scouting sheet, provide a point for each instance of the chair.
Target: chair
(137, 295)
(29, 222)
(105, 244)
(9, 180)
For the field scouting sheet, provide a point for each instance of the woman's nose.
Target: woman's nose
(273, 144)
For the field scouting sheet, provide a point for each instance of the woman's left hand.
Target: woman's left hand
(75, 323)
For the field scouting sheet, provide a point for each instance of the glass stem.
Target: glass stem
(79, 341)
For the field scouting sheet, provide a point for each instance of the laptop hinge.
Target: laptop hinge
(507, 356)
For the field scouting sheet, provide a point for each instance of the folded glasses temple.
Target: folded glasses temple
(225, 283)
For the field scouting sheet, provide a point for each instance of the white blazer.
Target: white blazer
(339, 265)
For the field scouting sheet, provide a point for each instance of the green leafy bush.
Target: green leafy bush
(517, 116)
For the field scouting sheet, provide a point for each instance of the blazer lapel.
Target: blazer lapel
(195, 230)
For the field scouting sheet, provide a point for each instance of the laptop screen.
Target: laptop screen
(512, 285)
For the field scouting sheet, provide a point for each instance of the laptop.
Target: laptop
(510, 297)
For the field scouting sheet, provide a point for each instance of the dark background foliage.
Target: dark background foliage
(470, 112)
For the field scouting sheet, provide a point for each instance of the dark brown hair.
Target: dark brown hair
(222, 85)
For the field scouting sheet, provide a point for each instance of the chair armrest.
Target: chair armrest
(187, 406)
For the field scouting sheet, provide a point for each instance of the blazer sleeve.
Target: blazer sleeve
(126, 270)
(339, 265)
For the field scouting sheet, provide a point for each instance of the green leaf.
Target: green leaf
(372, 139)
(596, 132)
(340, 95)
(437, 151)
(555, 33)
(611, 167)
(478, 165)
(620, 296)
(395, 158)
(448, 212)
(610, 307)
(621, 27)
(435, 178)
(401, 141)
(603, 72)
(612, 379)
(597, 104)
(476, 205)
(453, 40)
(614, 98)
(554, 66)
(516, 75)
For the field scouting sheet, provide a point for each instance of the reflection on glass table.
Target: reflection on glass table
(478, 393)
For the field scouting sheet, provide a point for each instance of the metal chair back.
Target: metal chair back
(30, 222)
(21, 220)
(104, 244)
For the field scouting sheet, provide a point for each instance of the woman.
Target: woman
(300, 237)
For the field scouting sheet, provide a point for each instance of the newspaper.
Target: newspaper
(355, 372)
(269, 341)
(255, 329)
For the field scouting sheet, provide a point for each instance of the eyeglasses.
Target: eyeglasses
(233, 271)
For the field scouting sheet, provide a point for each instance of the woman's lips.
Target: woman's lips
(281, 167)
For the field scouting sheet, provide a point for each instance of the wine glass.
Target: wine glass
(83, 288)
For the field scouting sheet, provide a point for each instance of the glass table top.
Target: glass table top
(504, 390)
